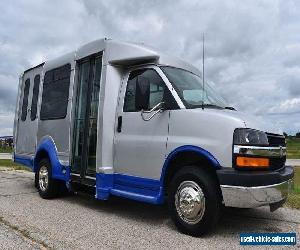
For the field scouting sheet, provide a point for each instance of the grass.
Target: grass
(13, 165)
(294, 198)
(6, 150)
(293, 148)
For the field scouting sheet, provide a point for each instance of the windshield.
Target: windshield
(190, 89)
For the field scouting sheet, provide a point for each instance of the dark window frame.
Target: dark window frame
(171, 103)
(52, 78)
(35, 96)
(25, 101)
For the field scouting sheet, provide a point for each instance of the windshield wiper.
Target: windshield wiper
(207, 105)
(214, 106)
(230, 108)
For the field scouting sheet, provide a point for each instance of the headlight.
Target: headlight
(249, 149)
(247, 136)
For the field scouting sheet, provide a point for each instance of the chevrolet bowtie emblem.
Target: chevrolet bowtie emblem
(281, 151)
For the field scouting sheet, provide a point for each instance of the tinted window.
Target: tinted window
(141, 81)
(156, 94)
(129, 103)
(35, 97)
(25, 100)
(56, 93)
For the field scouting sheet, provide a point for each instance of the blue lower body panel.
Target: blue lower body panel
(59, 172)
(24, 160)
(136, 188)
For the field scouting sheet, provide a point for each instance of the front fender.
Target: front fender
(189, 148)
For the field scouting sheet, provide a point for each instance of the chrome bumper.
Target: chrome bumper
(250, 197)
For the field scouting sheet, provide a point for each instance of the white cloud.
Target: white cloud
(288, 106)
(252, 47)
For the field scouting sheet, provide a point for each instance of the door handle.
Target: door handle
(119, 127)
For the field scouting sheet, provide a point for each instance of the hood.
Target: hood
(255, 122)
(239, 119)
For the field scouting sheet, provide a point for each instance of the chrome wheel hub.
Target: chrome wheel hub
(43, 178)
(190, 202)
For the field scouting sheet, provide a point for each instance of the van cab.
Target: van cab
(122, 119)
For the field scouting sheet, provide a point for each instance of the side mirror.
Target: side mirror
(142, 92)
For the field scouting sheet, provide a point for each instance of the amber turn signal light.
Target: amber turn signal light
(251, 162)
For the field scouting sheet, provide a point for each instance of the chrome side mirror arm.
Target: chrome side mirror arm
(156, 109)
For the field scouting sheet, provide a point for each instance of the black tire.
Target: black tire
(36, 180)
(210, 188)
(50, 190)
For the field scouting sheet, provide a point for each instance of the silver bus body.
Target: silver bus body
(130, 154)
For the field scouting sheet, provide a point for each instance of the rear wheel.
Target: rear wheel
(47, 186)
(194, 201)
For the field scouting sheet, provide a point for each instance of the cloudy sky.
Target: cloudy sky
(252, 47)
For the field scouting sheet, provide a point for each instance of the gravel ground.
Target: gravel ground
(81, 222)
(12, 239)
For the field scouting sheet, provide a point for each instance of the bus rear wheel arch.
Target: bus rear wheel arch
(47, 186)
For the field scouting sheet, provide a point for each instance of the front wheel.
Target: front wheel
(194, 201)
(47, 186)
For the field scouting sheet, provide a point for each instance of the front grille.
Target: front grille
(276, 140)
(277, 163)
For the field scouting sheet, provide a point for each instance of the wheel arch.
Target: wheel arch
(41, 154)
(47, 149)
(188, 155)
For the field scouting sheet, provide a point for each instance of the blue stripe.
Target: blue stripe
(136, 182)
(132, 187)
(59, 172)
(24, 160)
(136, 196)
(143, 189)
(188, 148)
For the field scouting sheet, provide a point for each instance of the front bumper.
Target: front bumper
(246, 189)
